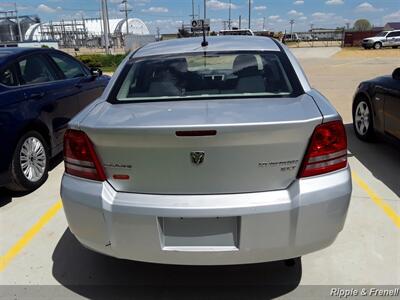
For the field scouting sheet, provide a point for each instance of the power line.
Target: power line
(79, 9)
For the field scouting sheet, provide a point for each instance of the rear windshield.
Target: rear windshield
(236, 32)
(204, 76)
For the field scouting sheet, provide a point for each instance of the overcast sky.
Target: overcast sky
(169, 14)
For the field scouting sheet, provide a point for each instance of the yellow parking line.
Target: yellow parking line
(387, 209)
(25, 239)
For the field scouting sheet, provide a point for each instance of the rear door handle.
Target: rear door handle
(35, 95)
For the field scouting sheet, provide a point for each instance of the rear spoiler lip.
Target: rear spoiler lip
(327, 110)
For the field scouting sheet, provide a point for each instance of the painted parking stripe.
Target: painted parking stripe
(29, 235)
(387, 209)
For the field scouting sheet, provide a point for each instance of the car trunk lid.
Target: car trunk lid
(203, 147)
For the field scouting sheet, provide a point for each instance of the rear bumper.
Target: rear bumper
(270, 225)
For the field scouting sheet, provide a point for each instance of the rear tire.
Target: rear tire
(378, 46)
(362, 120)
(30, 163)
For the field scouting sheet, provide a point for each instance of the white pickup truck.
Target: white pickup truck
(383, 39)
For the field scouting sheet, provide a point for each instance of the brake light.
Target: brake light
(80, 157)
(327, 150)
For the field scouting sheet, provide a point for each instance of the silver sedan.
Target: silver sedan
(207, 155)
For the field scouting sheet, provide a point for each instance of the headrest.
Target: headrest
(245, 62)
(178, 64)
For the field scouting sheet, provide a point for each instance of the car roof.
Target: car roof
(215, 44)
(9, 53)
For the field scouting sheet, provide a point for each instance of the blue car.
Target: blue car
(40, 91)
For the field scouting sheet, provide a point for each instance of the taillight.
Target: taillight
(80, 158)
(327, 150)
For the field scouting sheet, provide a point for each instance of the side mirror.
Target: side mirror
(96, 72)
(396, 74)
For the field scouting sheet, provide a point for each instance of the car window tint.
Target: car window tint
(7, 77)
(383, 33)
(393, 34)
(70, 67)
(214, 75)
(35, 69)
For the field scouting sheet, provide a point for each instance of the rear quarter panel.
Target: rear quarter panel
(328, 111)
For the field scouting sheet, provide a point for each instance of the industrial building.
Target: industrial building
(10, 27)
(69, 33)
(85, 32)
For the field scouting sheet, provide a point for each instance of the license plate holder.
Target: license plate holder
(200, 234)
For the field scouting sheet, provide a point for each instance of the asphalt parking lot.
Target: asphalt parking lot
(38, 250)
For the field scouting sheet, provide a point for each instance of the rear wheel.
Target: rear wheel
(362, 120)
(378, 45)
(30, 163)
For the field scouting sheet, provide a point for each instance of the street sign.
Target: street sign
(197, 25)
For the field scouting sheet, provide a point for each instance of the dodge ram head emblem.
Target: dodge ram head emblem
(197, 157)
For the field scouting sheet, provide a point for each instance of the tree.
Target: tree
(362, 25)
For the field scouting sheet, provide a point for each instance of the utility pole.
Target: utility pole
(240, 22)
(126, 10)
(230, 8)
(158, 33)
(192, 15)
(263, 23)
(105, 25)
(101, 19)
(21, 38)
(291, 28)
(249, 14)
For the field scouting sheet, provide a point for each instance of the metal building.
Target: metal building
(26, 22)
(8, 30)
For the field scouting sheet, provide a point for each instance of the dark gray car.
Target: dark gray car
(376, 107)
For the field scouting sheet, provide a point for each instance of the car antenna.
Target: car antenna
(204, 43)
